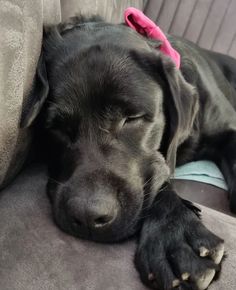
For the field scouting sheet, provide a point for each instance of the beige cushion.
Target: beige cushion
(111, 10)
(21, 25)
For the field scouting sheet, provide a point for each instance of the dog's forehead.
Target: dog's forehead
(105, 77)
(96, 90)
(83, 37)
(115, 33)
(101, 72)
(91, 56)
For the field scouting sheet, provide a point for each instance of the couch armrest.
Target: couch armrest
(110, 10)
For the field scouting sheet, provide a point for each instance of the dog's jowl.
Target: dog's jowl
(117, 117)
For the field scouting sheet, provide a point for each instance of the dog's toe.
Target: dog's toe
(185, 276)
(205, 279)
(175, 283)
(204, 252)
(218, 253)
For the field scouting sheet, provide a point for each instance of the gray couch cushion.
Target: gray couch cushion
(110, 10)
(21, 28)
(36, 255)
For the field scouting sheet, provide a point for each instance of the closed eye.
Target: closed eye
(133, 119)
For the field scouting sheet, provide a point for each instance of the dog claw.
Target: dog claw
(218, 253)
(175, 283)
(204, 252)
(185, 276)
(204, 281)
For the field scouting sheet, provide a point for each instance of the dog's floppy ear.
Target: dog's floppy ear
(180, 101)
(180, 105)
(37, 95)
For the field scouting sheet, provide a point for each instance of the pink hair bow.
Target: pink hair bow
(135, 19)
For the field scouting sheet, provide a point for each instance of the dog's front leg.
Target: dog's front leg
(175, 249)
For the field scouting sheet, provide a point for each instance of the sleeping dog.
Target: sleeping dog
(117, 116)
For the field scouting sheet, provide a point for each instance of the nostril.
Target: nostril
(102, 221)
(96, 214)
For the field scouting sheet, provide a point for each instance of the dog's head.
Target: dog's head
(115, 110)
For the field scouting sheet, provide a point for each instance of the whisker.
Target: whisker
(149, 179)
(146, 207)
(58, 182)
(144, 216)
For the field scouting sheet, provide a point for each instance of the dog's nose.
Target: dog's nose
(93, 214)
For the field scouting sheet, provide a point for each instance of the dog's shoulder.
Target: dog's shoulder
(207, 72)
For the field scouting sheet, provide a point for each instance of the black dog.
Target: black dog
(117, 118)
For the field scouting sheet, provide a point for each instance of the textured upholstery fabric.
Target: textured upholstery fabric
(36, 255)
(111, 10)
(209, 23)
(21, 25)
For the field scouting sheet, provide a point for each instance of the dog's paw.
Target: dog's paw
(178, 253)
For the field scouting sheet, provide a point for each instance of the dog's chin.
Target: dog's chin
(121, 236)
(111, 237)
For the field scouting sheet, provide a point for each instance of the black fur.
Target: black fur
(118, 117)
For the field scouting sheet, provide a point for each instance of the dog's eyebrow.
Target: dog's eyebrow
(135, 104)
